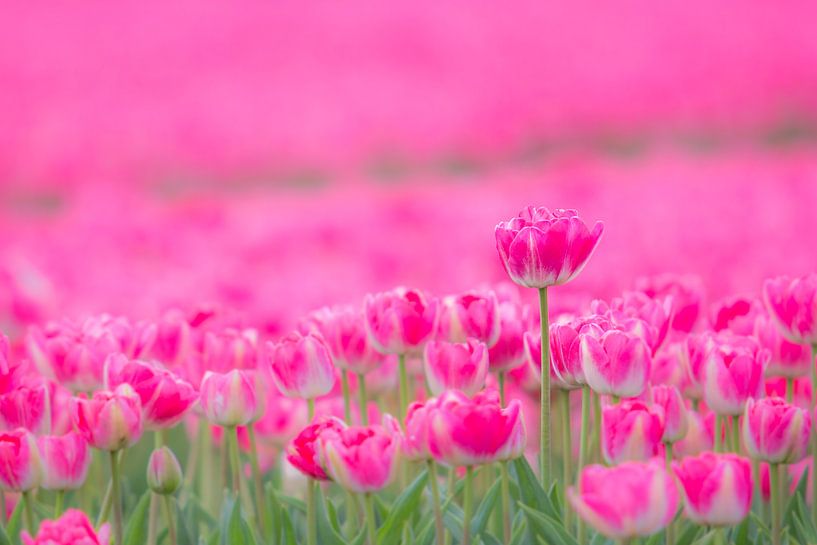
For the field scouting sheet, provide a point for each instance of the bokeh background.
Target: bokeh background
(272, 157)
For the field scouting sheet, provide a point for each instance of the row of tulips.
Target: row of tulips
(293, 440)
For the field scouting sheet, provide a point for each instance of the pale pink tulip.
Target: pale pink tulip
(473, 314)
(400, 321)
(674, 409)
(456, 366)
(509, 352)
(301, 365)
(617, 363)
(72, 528)
(717, 488)
(230, 399)
(65, 460)
(20, 462)
(631, 431)
(302, 451)
(109, 420)
(793, 305)
(776, 432)
(344, 330)
(733, 373)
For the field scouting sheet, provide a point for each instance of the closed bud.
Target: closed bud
(164, 472)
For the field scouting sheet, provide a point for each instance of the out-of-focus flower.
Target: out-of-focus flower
(283, 418)
(541, 248)
(229, 349)
(617, 363)
(669, 367)
(302, 451)
(776, 387)
(630, 431)
(669, 399)
(456, 366)
(629, 500)
(776, 432)
(787, 359)
(109, 420)
(362, 458)
(164, 474)
(400, 321)
(717, 488)
(686, 293)
(301, 365)
(639, 314)
(699, 437)
(733, 373)
(736, 314)
(165, 398)
(467, 432)
(344, 330)
(20, 463)
(65, 461)
(473, 314)
(174, 339)
(230, 399)
(509, 352)
(418, 416)
(26, 407)
(793, 305)
(72, 528)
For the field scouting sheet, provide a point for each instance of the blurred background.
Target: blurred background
(272, 157)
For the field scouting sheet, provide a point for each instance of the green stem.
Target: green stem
(435, 499)
(501, 380)
(371, 523)
(310, 409)
(776, 501)
(813, 402)
(735, 435)
(153, 520)
(171, 525)
(208, 478)
(587, 400)
(403, 400)
(789, 389)
(467, 506)
(669, 534)
(118, 525)
(544, 392)
(615, 399)
(231, 434)
(364, 402)
(567, 447)
(449, 485)
(59, 500)
(311, 514)
(3, 507)
(347, 401)
(718, 437)
(28, 513)
(506, 502)
(258, 481)
(597, 426)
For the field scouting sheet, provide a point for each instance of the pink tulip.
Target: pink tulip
(72, 528)
(541, 248)
(230, 399)
(733, 373)
(165, 398)
(776, 387)
(467, 432)
(301, 366)
(694, 353)
(736, 314)
(109, 420)
(617, 363)
(344, 330)
(164, 474)
(456, 366)
(508, 352)
(472, 314)
(639, 314)
(787, 359)
(362, 459)
(174, 339)
(400, 321)
(668, 367)
(20, 462)
(776, 432)
(415, 443)
(674, 409)
(793, 305)
(631, 431)
(699, 437)
(229, 349)
(630, 500)
(66, 459)
(283, 418)
(686, 294)
(26, 407)
(717, 488)
(302, 451)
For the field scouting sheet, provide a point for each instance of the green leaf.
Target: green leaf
(405, 504)
(531, 492)
(518, 529)
(550, 529)
(15, 524)
(295, 503)
(327, 533)
(136, 529)
(288, 529)
(740, 534)
(237, 531)
(489, 539)
(4, 538)
(688, 534)
(486, 507)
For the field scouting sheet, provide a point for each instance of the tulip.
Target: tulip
(20, 462)
(617, 363)
(686, 294)
(415, 440)
(630, 500)
(174, 339)
(788, 359)
(508, 352)
(631, 431)
(164, 474)
(400, 321)
(26, 407)
(456, 366)
(301, 366)
(230, 348)
(165, 398)
(65, 460)
(468, 432)
(694, 353)
(736, 315)
(361, 459)
(793, 306)
(674, 410)
(283, 418)
(639, 314)
(72, 528)
(470, 315)
(698, 437)
(541, 248)
(109, 420)
(566, 362)
(229, 399)
(776, 432)
(344, 330)
(717, 488)
(733, 373)
(302, 451)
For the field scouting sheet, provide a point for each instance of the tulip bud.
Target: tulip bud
(669, 399)
(616, 363)
(456, 366)
(109, 420)
(302, 366)
(631, 431)
(776, 432)
(164, 474)
(717, 488)
(230, 399)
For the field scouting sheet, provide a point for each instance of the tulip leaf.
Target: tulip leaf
(688, 535)
(405, 504)
(550, 529)
(275, 509)
(288, 529)
(15, 523)
(327, 534)
(741, 533)
(489, 539)
(236, 531)
(486, 507)
(136, 529)
(186, 527)
(295, 503)
(4, 538)
(531, 492)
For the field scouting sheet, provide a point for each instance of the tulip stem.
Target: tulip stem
(776, 501)
(310, 410)
(311, 515)
(587, 401)
(567, 448)
(171, 526)
(789, 389)
(467, 505)
(735, 435)
(364, 402)
(28, 513)
(544, 398)
(718, 437)
(813, 402)
(59, 500)
(260, 497)
(116, 499)
(506, 502)
(597, 425)
(371, 523)
(235, 461)
(403, 400)
(435, 498)
(501, 380)
(669, 537)
(347, 402)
